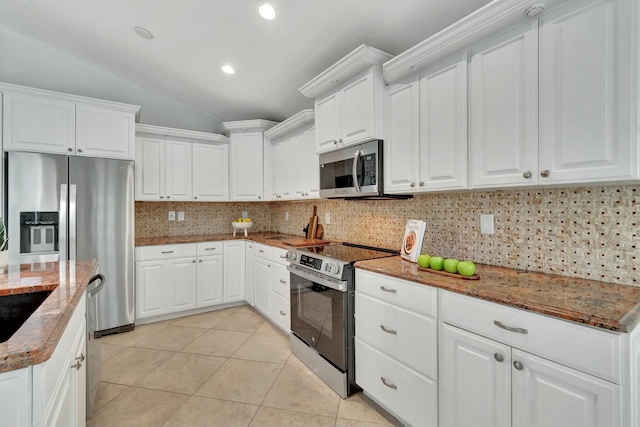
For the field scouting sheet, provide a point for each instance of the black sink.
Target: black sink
(16, 309)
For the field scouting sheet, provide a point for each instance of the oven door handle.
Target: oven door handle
(337, 284)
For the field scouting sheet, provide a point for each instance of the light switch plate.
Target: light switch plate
(180, 216)
(286, 216)
(486, 224)
(327, 218)
(245, 214)
(172, 215)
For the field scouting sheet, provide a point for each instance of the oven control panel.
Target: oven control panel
(311, 262)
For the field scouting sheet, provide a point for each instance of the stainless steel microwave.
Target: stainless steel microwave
(352, 172)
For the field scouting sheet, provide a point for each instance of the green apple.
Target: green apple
(451, 265)
(466, 268)
(423, 260)
(436, 262)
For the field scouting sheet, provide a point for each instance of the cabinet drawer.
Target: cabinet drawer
(587, 349)
(416, 297)
(149, 253)
(210, 248)
(408, 337)
(281, 312)
(280, 280)
(414, 398)
(262, 251)
(279, 255)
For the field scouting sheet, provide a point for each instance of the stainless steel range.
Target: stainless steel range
(322, 300)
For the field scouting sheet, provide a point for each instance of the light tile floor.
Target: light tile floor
(226, 368)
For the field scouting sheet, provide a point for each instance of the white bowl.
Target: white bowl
(242, 225)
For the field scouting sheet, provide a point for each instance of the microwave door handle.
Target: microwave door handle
(354, 170)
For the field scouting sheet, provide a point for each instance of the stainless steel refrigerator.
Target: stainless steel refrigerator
(63, 208)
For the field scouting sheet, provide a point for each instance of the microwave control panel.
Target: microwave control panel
(369, 169)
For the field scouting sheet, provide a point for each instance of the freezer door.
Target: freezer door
(102, 228)
(36, 207)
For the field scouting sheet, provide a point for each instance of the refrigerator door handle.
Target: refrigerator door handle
(72, 222)
(63, 223)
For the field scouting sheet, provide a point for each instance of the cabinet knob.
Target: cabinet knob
(283, 313)
(162, 197)
(259, 197)
(168, 197)
(334, 143)
(413, 184)
(421, 183)
(79, 150)
(269, 265)
(527, 175)
(518, 365)
(199, 260)
(545, 173)
(194, 261)
(340, 140)
(195, 197)
(70, 150)
(81, 357)
(498, 357)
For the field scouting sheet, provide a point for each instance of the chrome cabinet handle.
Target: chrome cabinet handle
(260, 250)
(166, 252)
(545, 173)
(81, 357)
(283, 281)
(76, 365)
(413, 184)
(518, 365)
(527, 174)
(392, 291)
(388, 384)
(283, 313)
(284, 257)
(510, 328)
(79, 150)
(389, 331)
(498, 357)
(209, 249)
(70, 149)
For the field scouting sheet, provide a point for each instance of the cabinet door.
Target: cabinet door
(504, 110)
(248, 280)
(312, 170)
(588, 98)
(281, 312)
(149, 168)
(327, 122)
(79, 380)
(177, 170)
(38, 123)
(105, 132)
(475, 380)
(150, 289)
(297, 147)
(283, 166)
(180, 284)
(210, 280)
(546, 394)
(443, 126)
(275, 191)
(245, 166)
(262, 285)
(401, 141)
(210, 172)
(357, 110)
(234, 271)
(15, 395)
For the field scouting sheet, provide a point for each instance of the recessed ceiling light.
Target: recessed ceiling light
(143, 32)
(266, 10)
(228, 69)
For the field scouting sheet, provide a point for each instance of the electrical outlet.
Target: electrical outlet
(245, 214)
(172, 215)
(327, 218)
(486, 224)
(286, 216)
(180, 216)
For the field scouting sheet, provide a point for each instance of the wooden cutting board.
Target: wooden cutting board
(298, 243)
(313, 224)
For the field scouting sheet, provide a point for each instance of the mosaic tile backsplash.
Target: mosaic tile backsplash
(589, 232)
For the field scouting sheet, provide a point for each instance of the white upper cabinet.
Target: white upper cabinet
(348, 97)
(180, 165)
(589, 92)
(294, 164)
(504, 109)
(426, 130)
(50, 122)
(210, 172)
(245, 157)
(104, 132)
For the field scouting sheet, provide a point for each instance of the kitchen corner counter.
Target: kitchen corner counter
(267, 238)
(599, 304)
(37, 338)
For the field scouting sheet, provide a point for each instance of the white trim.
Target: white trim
(8, 87)
(181, 133)
(484, 23)
(245, 126)
(362, 58)
(304, 117)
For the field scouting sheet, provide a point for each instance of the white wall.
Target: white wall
(30, 63)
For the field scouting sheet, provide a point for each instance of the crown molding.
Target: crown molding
(245, 126)
(181, 133)
(303, 118)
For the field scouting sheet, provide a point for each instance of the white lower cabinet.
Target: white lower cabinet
(271, 284)
(210, 280)
(248, 278)
(234, 271)
(180, 284)
(262, 285)
(484, 382)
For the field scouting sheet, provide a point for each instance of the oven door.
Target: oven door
(351, 172)
(318, 313)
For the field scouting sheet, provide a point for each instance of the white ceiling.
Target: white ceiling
(194, 38)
